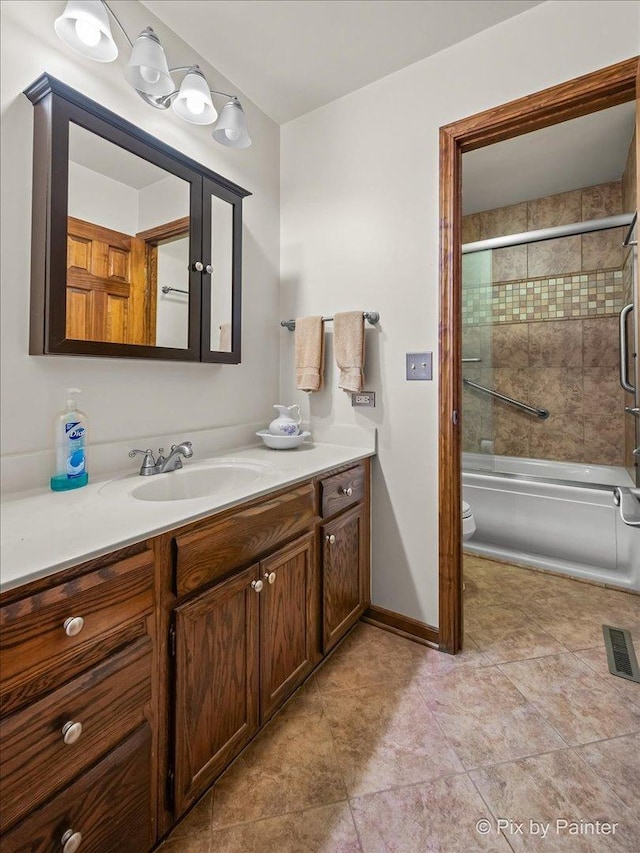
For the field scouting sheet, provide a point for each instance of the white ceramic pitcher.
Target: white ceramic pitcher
(285, 424)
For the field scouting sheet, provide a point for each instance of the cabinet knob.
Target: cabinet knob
(257, 585)
(71, 732)
(331, 539)
(198, 266)
(270, 576)
(347, 490)
(73, 625)
(208, 269)
(71, 841)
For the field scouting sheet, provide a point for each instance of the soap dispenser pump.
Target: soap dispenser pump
(71, 449)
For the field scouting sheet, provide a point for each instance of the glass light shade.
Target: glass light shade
(193, 102)
(147, 69)
(231, 129)
(84, 26)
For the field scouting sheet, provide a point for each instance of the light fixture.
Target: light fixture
(231, 129)
(147, 69)
(84, 26)
(193, 102)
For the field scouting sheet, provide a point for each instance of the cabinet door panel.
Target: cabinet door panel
(216, 682)
(343, 573)
(288, 621)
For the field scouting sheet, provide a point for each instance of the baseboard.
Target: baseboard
(404, 626)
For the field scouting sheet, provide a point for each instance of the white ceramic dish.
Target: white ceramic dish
(282, 442)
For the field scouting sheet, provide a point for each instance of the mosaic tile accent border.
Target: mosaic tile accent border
(586, 294)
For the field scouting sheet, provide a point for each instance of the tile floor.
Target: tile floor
(392, 746)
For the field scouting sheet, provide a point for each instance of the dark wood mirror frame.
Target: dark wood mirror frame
(56, 105)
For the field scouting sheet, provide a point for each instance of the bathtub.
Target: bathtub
(557, 516)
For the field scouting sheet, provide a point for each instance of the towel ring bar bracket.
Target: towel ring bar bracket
(372, 317)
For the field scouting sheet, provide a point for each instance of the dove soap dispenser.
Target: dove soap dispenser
(71, 447)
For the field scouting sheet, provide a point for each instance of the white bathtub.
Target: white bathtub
(554, 515)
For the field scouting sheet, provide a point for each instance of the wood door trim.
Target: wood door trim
(590, 93)
(404, 626)
(166, 231)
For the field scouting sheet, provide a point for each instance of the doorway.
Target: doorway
(588, 94)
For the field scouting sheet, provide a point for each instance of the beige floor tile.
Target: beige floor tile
(198, 821)
(368, 656)
(195, 844)
(579, 704)
(617, 763)
(507, 634)
(290, 766)
(486, 719)
(328, 829)
(385, 738)
(552, 787)
(435, 817)
(414, 662)
(597, 660)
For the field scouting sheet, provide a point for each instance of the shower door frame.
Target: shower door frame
(599, 90)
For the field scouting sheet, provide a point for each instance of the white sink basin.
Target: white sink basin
(208, 479)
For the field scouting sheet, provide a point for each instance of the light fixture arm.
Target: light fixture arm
(115, 18)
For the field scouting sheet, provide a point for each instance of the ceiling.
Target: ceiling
(93, 152)
(292, 56)
(583, 152)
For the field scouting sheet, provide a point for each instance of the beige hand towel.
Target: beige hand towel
(348, 346)
(309, 353)
(225, 338)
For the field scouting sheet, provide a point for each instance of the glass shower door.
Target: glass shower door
(477, 370)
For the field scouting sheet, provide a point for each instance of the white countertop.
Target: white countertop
(44, 532)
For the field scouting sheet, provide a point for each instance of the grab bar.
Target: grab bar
(543, 414)
(470, 360)
(627, 240)
(629, 508)
(624, 366)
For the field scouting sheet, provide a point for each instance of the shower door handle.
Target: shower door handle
(628, 500)
(624, 366)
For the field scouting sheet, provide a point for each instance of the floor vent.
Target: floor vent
(620, 653)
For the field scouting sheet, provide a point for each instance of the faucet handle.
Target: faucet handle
(148, 461)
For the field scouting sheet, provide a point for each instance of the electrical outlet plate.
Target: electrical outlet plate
(419, 365)
(363, 398)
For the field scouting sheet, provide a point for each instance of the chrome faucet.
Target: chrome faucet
(162, 465)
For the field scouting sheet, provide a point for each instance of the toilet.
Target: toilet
(468, 522)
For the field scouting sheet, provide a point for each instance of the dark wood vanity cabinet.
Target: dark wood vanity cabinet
(77, 726)
(242, 647)
(171, 654)
(345, 551)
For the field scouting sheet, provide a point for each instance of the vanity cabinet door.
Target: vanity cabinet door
(288, 622)
(216, 682)
(344, 573)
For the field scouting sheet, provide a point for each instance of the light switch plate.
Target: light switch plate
(419, 365)
(363, 398)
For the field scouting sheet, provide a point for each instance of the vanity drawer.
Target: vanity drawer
(41, 648)
(110, 806)
(108, 702)
(341, 490)
(213, 550)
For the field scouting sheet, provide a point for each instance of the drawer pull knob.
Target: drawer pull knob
(71, 732)
(347, 490)
(270, 576)
(71, 841)
(73, 625)
(257, 585)
(331, 539)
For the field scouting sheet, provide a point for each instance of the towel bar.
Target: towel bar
(371, 317)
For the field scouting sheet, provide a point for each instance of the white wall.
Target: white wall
(172, 309)
(101, 200)
(126, 398)
(359, 226)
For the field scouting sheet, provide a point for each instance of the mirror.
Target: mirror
(136, 248)
(127, 247)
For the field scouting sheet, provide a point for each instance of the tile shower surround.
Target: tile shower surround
(543, 319)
